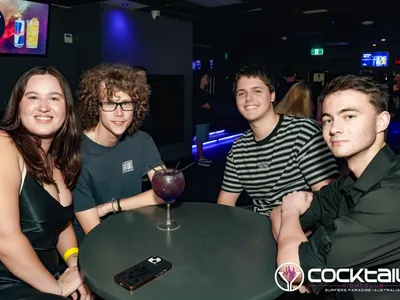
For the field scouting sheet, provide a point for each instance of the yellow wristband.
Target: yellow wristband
(69, 252)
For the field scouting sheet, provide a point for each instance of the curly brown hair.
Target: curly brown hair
(114, 77)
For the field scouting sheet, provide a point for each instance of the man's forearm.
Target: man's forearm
(227, 198)
(290, 237)
(144, 199)
(275, 218)
(227, 202)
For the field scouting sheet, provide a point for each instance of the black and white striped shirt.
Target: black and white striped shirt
(293, 157)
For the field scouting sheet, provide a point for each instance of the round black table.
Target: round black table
(219, 252)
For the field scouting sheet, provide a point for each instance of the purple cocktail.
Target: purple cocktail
(168, 184)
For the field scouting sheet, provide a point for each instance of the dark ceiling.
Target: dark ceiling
(251, 22)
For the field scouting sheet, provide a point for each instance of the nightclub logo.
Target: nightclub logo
(289, 276)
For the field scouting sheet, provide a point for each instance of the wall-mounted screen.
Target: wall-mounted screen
(375, 59)
(23, 27)
(196, 65)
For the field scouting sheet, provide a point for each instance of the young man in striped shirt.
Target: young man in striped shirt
(278, 155)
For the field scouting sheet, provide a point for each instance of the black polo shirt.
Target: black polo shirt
(358, 223)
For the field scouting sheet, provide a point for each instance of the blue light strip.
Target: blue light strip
(220, 140)
(217, 132)
(230, 137)
(211, 134)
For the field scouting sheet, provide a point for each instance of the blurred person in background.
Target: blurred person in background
(297, 102)
(202, 115)
(287, 81)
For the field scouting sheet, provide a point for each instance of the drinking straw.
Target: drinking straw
(162, 165)
(187, 167)
(152, 168)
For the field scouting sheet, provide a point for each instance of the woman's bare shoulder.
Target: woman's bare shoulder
(5, 138)
(8, 148)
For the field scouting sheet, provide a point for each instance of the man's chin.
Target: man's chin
(118, 132)
(251, 118)
(340, 154)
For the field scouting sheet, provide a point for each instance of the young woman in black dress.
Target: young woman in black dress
(39, 159)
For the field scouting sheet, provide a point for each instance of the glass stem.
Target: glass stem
(168, 214)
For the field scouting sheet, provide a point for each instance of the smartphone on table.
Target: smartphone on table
(143, 272)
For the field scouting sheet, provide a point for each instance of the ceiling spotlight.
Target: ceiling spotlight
(314, 11)
(373, 45)
(124, 4)
(367, 23)
(284, 38)
(383, 40)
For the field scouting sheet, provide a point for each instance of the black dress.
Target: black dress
(42, 220)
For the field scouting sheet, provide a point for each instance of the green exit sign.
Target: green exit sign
(317, 51)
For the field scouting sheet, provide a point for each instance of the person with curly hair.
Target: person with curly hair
(112, 103)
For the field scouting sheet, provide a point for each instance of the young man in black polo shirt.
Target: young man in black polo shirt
(357, 217)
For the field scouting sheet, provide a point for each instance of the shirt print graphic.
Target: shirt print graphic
(127, 166)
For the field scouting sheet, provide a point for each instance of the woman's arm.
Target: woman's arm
(66, 241)
(16, 252)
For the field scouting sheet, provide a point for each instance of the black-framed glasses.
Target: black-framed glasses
(112, 106)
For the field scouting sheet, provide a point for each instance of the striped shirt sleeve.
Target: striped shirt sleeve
(316, 161)
(231, 182)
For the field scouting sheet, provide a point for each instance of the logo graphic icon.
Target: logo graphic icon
(289, 276)
(127, 166)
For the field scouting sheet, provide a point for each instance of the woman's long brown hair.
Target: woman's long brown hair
(65, 145)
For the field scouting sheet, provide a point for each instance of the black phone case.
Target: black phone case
(141, 273)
